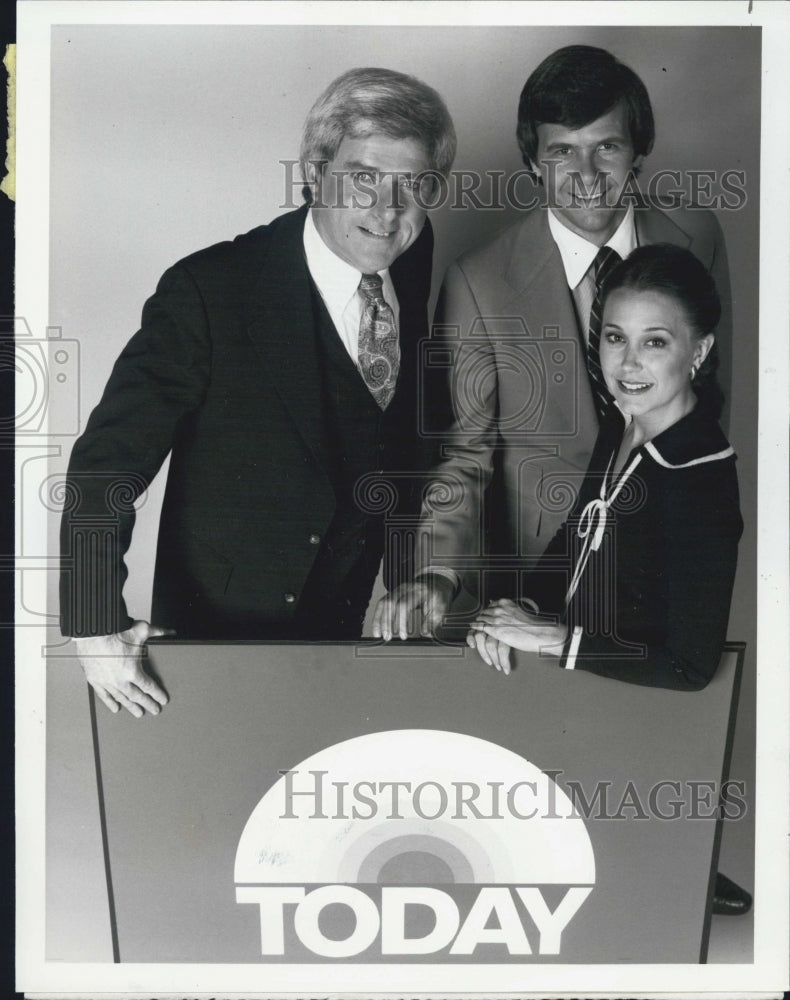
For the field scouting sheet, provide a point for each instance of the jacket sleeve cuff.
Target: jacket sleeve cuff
(445, 571)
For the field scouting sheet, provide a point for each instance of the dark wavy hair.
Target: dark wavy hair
(677, 273)
(575, 86)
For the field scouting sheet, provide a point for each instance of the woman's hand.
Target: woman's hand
(492, 651)
(505, 625)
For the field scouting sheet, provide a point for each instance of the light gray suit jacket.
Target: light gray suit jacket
(524, 423)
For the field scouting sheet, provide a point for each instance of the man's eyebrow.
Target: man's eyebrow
(359, 165)
(561, 143)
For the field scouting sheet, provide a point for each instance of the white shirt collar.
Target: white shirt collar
(337, 280)
(338, 284)
(577, 253)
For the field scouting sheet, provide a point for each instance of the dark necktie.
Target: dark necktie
(378, 348)
(605, 260)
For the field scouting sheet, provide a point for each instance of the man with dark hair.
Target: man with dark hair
(523, 318)
(279, 371)
(521, 322)
(576, 85)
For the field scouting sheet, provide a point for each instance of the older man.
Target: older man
(279, 371)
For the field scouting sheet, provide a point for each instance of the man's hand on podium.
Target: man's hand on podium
(113, 668)
(425, 600)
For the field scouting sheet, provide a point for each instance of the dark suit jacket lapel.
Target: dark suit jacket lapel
(283, 332)
(411, 278)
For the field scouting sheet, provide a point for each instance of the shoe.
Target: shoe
(729, 899)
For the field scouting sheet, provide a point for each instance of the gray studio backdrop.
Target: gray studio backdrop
(167, 139)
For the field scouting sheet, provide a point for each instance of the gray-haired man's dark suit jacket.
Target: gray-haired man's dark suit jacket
(226, 375)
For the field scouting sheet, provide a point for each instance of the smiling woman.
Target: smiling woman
(657, 334)
(637, 583)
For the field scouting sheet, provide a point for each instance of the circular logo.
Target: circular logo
(415, 807)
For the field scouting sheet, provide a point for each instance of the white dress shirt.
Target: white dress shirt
(578, 255)
(338, 284)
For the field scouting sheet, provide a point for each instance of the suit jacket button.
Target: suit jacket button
(315, 539)
(289, 598)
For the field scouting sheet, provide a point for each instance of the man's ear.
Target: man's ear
(537, 176)
(637, 164)
(313, 172)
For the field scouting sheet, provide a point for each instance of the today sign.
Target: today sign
(357, 803)
(528, 832)
(495, 918)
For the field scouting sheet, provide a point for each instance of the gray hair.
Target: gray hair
(362, 102)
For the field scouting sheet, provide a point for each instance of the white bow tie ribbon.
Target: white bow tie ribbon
(592, 524)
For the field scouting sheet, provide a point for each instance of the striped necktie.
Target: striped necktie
(605, 260)
(378, 348)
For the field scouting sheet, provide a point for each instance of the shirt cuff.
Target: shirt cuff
(573, 648)
(445, 571)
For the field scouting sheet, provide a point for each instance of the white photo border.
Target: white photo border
(767, 975)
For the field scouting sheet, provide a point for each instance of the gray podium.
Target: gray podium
(404, 803)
